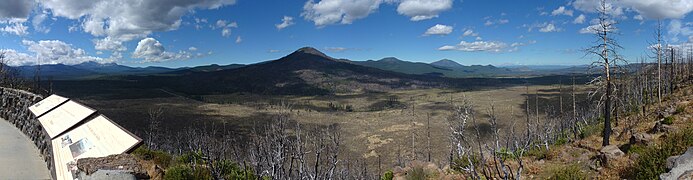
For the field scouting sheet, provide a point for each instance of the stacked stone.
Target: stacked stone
(15, 109)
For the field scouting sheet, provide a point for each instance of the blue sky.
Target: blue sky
(176, 33)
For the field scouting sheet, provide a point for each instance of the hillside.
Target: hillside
(305, 71)
(442, 68)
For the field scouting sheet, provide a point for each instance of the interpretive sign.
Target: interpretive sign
(65, 116)
(98, 137)
(47, 104)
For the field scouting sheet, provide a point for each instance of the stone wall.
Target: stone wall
(14, 107)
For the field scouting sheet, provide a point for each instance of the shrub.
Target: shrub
(570, 172)
(179, 172)
(668, 120)
(590, 130)
(460, 163)
(652, 160)
(389, 175)
(680, 109)
(416, 173)
(538, 153)
(160, 158)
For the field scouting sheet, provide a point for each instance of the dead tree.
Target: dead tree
(606, 51)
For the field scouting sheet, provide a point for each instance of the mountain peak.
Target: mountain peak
(310, 50)
(446, 63)
(390, 59)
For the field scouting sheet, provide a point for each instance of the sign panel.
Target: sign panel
(64, 117)
(99, 137)
(45, 105)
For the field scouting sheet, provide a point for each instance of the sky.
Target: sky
(186, 33)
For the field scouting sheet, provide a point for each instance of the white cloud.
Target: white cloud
(580, 19)
(37, 20)
(14, 58)
(192, 48)
(126, 20)
(594, 26)
(226, 32)
(438, 29)
(109, 44)
(225, 27)
(549, 28)
(286, 22)
(638, 17)
(490, 22)
(562, 11)
(58, 52)
(419, 10)
(239, 40)
(676, 29)
(16, 28)
(336, 49)
(649, 9)
(19, 9)
(543, 27)
(328, 12)
(477, 46)
(152, 50)
(469, 32)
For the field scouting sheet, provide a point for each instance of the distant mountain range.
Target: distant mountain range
(441, 68)
(306, 71)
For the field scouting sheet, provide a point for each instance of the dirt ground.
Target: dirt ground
(368, 130)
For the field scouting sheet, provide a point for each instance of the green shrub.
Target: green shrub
(389, 175)
(680, 109)
(460, 163)
(160, 158)
(561, 141)
(538, 153)
(179, 172)
(668, 120)
(652, 160)
(570, 172)
(416, 173)
(590, 130)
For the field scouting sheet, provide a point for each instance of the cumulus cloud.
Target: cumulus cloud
(192, 48)
(469, 32)
(660, 9)
(549, 28)
(476, 46)
(286, 22)
(151, 50)
(57, 52)
(18, 9)
(328, 12)
(419, 10)
(676, 28)
(562, 11)
(16, 28)
(126, 20)
(14, 58)
(543, 27)
(239, 40)
(225, 27)
(438, 29)
(580, 19)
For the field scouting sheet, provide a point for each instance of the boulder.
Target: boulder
(611, 151)
(661, 127)
(641, 138)
(120, 164)
(682, 166)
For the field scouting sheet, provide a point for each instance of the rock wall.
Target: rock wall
(14, 107)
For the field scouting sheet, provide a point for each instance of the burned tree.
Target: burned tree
(605, 49)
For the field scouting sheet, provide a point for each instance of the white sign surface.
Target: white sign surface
(64, 117)
(47, 104)
(99, 137)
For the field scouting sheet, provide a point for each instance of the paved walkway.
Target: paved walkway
(19, 158)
